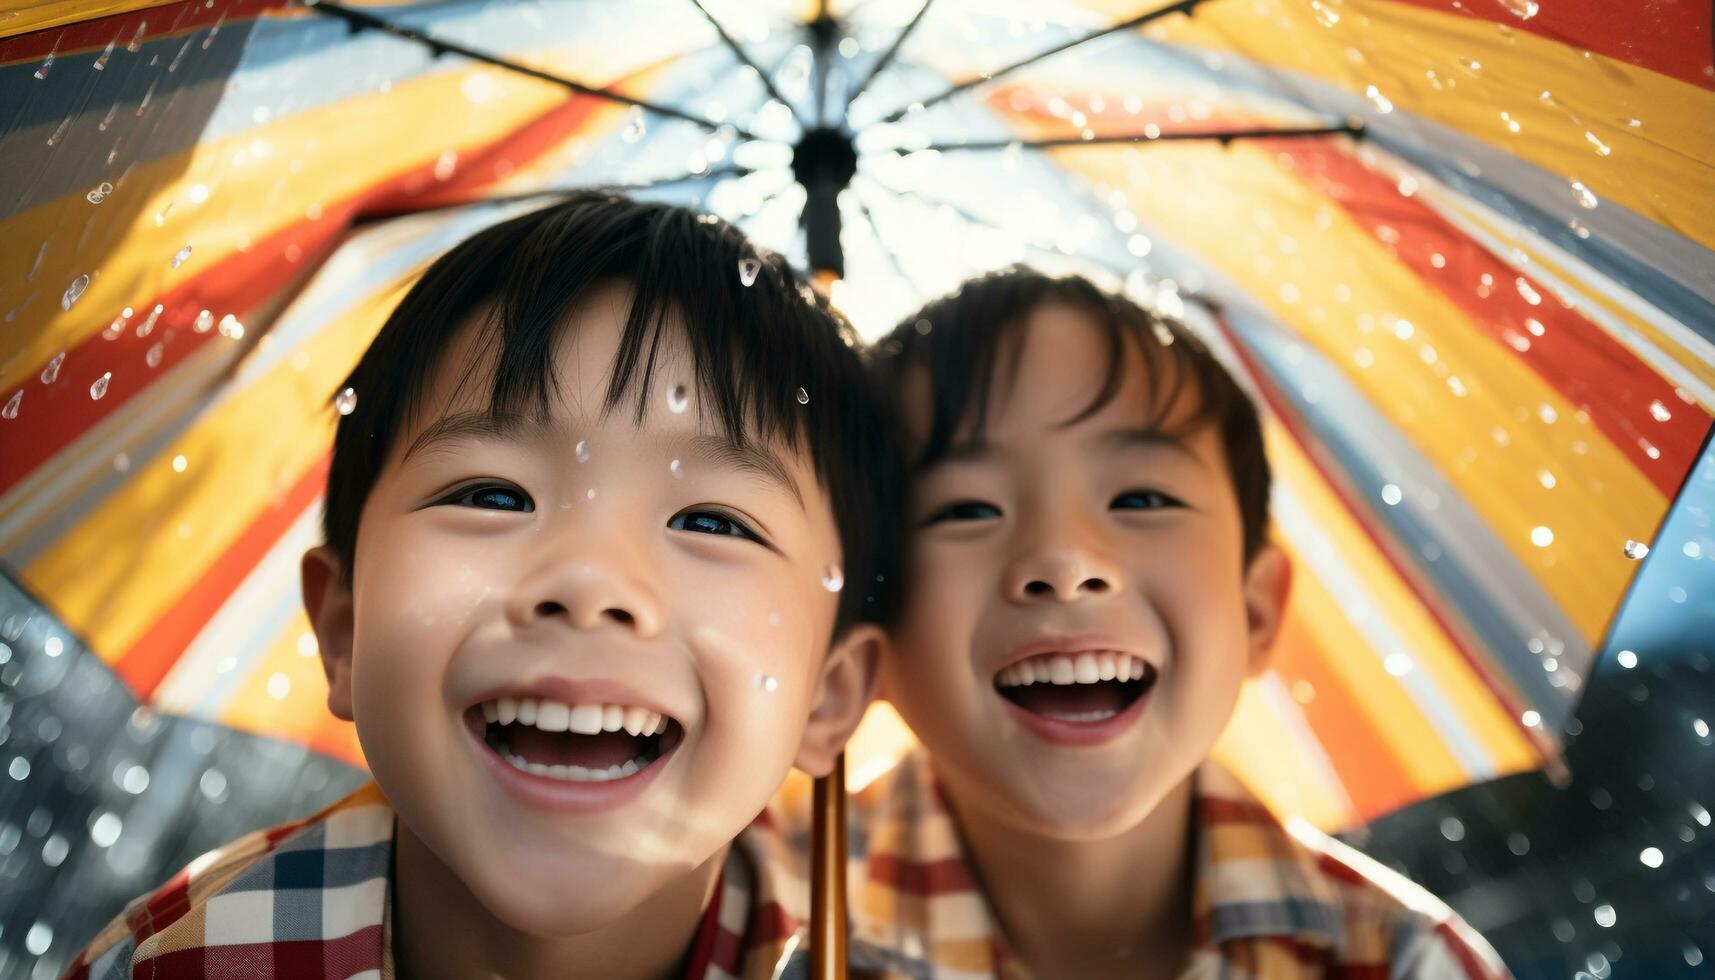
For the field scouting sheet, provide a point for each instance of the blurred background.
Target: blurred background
(1459, 251)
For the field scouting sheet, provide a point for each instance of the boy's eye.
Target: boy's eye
(489, 496)
(964, 510)
(1144, 500)
(712, 522)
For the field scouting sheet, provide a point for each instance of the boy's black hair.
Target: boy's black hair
(966, 338)
(757, 351)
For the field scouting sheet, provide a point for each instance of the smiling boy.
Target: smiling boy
(586, 526)
(1089, 583)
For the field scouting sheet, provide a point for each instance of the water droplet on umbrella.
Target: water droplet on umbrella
(748, 267)
(1578, 228)
(767, 682)
(1524, 9)
(51, 373)
(42, 72)
(1602, 149)
(1380, 101)
(833, 579)
(1324, 15)
(581, 451)
(1585, 197)
(106, 53)
(99, 387)
(678, 399)
(153, 357)
(1542, 537)
(74, 291)
(99, 193)
(1626, 659)
(11, 410)
(180, 256)
(1659, 411)
(346, 401)
(803, 397)
(230, 327)
(1636, 550)
(636, 128)
(446, 165)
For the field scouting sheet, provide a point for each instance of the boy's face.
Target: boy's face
(613, 577)
(1046, 556)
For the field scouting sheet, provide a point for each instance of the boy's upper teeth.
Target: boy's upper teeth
(583, 719)
(1074, 668)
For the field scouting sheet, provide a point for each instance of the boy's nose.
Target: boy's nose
(1062, 575)
(585, 597)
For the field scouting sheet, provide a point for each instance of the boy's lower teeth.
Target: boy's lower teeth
(576, 774)
(1081, 716)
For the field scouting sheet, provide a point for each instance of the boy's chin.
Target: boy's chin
(574, 903)
(1083, 807)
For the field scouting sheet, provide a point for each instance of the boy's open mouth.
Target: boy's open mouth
(581, 743)
(1081, 688)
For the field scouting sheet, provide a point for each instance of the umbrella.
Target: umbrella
(1459, 251)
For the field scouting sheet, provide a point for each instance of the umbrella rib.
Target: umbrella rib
(886, 58)
(1354, 128)
(875, 233)
(739, 52)
(360, 20)
(1182, 7)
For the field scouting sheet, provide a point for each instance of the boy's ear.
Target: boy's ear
(329, 605)
(1268, 584)
(843, 693)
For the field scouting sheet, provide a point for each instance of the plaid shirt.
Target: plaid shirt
(310, 899)
(1272, 902)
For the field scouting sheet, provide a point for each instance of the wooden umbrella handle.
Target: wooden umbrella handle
(828, 876)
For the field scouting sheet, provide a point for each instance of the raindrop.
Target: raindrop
(803, 397)
(52, 372)
(204, 322)
(678, 399)
(1627, 659)
(179, 463)
(1519, 844)
(582, 451)
(748, 267)
(636, 128)
(676, 468)
(1585, 197)
(106, 53)
(99, 387)
(923, 327)
(1542, 537)
(1524, 9)
(1605, 916)
(99, 193)
(74, 291)
(1380, 101)
(589, 494)
(1602, 149)
(1636, 550)
(1651, 857)
(11, 410)
(153, 357)
(41, 935)
(230, 327)
(346, 401)
(180, 256)
(446, 165)
(1659, 411)
(1392, 495)
(767, 682)
(833, 579)
(774, 618)
(1531, 719)
(1693, 955)
(105, 829)
(42, 72)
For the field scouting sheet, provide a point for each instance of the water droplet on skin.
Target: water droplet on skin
(676, 468)
(346, 401)
(11, 410)
(180, 256)
(589, 494)
(74, 291)
(833, 579)
(1585, 197)
(773, 617)
(51, 373)
(748, 267)
(678, 399)
(1636, 550)
(99, 387)
(581, 451)
(803, 397)
(767, 682)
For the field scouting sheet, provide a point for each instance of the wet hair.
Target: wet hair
(973, 337)
(760, 340)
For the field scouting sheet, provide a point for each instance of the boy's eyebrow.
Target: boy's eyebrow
(752, 459)
(1148, 438)
(504, 426)
(511, 427)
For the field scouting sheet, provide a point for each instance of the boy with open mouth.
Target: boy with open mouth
(1089, 582)
(607, 538)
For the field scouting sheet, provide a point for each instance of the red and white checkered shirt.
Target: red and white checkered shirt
(310, 899)
(1271, 902)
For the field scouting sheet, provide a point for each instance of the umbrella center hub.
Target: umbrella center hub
(824, 162)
